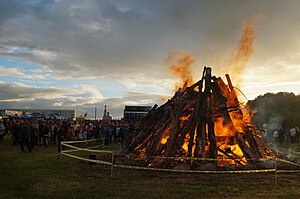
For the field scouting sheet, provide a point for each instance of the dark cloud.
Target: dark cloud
(128, 40)
(122, 36)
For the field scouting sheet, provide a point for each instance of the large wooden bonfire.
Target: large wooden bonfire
(203, 122)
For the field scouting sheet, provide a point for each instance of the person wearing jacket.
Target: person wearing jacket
(26, 134)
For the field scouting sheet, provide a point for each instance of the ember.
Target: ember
(203, 123)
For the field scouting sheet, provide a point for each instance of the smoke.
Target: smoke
(240, 56)
(275, 122)
(180, 65)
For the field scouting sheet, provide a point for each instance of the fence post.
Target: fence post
(112, 165)
(60, 150)
(275, 171)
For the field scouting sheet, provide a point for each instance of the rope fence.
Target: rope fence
(113, 165)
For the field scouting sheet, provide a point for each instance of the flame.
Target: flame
(185, 145)
(221, 129)
(165, 135)
(164, 140)
(182, 118)
(181, 66)
(141, 154)
(244, 50)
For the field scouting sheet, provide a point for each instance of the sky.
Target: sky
(82, 54)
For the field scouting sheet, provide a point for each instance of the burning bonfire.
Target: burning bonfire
(202, 124)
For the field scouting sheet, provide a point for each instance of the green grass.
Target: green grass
(45, 174)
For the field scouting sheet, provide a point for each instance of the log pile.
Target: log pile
(202, 124)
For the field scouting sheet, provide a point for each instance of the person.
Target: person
(2, 130)
(16, 133)
(281, 135)
(293, 132)
(61, 136)
(297, 135)
(25, 136)
(107, 135)
(276, 136)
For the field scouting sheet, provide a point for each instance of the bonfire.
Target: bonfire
(201, 124)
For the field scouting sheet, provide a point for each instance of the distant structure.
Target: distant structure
(106, 117)
(135, 112)
(66, 114)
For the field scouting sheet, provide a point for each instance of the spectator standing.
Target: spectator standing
(2, 130)
(16, 133)
(25, 136)
(276, 136)
(297, 135)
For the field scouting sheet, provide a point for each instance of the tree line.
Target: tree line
(277, 110)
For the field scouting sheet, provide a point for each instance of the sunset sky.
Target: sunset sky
(78, 54)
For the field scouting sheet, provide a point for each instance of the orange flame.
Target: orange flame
(241, 55)
(181, 66)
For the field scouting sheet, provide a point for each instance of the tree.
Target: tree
(277, 110)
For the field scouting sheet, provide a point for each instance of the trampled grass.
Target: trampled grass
(45, 174)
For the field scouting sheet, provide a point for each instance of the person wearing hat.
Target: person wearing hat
(2, 129)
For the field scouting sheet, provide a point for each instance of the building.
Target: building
(67, 114)
(106, 117)
(135, 112)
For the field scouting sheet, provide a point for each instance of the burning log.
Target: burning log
(197, 124)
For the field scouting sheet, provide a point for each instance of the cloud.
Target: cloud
(109, 37)
(82, 98)
(129, 40)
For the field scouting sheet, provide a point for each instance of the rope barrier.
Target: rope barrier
(286, 161)
(211, 159)
(73, 150)
(86, 159)
(287, 171)
(112, 164)
(89, 150)
(193, 158)
(195, 171)
(81, 141)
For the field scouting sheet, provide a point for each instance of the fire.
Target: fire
(165, 136)
(185, 145)
(221, 129)
(185, 117)
(181, 66)
(198, 124)
(164, 140)
(244, 50)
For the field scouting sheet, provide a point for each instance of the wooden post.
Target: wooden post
(112, 165)
(209, 114)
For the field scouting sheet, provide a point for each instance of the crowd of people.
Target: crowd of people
(29, 133)
(281, 135)
(288, 135)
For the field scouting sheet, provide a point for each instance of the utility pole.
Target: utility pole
(95, 112)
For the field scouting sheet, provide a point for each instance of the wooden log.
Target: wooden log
(150, 132)
(155, 144)
(246, 150)
(221, 107)
(209, 115)
(175, 116)
(253, 144)
(201, 137)
(235, 159)
(138, 137)
(200, 128)
(232, 91)
(224, 88)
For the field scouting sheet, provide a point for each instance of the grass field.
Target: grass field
(44, 174)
